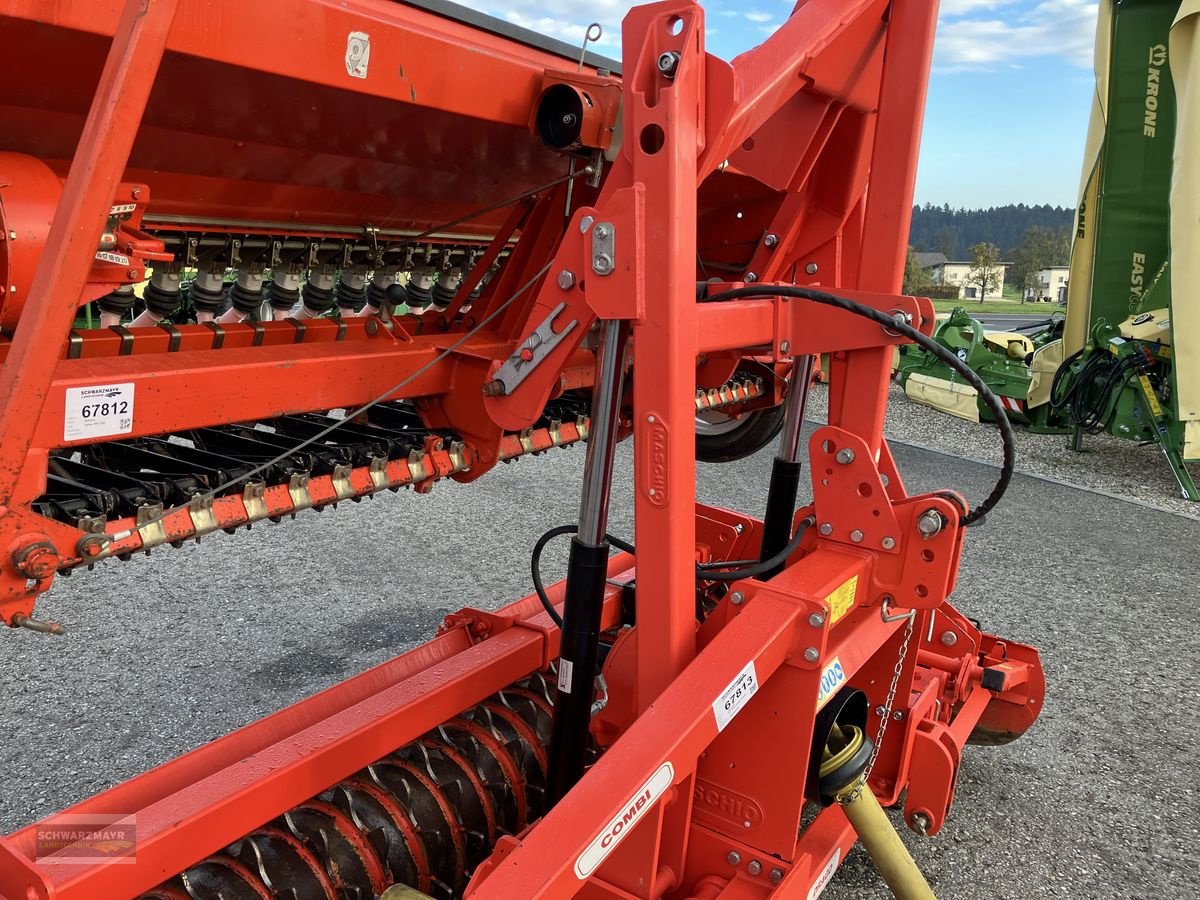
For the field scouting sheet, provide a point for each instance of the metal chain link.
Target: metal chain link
(850, 797)
(891, 694)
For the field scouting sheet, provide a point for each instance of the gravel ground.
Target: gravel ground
(1108, 464)
(169, 652)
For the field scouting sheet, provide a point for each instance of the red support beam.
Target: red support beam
(74, 237)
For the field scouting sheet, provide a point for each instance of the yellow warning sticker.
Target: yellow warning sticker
(1151, 397)
(842, 600)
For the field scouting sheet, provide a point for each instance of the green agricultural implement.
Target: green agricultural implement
(1126, 361)
(1003, 359)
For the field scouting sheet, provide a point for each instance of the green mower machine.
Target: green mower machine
(1126, 360)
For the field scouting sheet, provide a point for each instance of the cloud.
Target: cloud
(973, 35)
(1062, 29)
(952, 8)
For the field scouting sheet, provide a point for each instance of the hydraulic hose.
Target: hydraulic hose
(994, 404)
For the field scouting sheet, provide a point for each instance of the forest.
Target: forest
(954, 231)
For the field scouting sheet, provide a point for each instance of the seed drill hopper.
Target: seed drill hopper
(342, 248)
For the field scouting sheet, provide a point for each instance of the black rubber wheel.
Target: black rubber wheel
(735, 439)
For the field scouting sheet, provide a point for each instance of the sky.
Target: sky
(1009, 95)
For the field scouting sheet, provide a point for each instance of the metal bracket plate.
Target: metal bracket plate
(533, 350)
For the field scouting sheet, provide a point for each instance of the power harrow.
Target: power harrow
(402, 243)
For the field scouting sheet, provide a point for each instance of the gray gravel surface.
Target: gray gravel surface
(1108, 464)
(1098, 800)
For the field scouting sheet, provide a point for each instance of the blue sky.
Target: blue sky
(1009, 96)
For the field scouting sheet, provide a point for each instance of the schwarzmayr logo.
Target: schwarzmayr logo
(101, 392)
(1158, 59)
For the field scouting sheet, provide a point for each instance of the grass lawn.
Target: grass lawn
(974, 307)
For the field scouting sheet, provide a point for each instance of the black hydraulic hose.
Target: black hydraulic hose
(765, 566)
(535, 564)
(1091, 397)
(738, 569)
(1007, 438)
(1059, 398)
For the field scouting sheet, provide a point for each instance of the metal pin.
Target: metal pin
(20, 620)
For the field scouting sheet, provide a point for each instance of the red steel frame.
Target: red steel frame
(843, 81)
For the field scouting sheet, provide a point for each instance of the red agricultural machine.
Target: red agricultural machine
(380, 245)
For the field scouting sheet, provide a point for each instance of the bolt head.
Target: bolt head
(856, 536)
(566, 279)
(888, 543)
(737, 598)
(897, 715)
(811, 268)
(949, 638)
(929, 523)
(845, 456)
(816, 620)
(755, 867)
(667, 62)
(880, 710)
(734, 858)
(771, 240)
(776, 876)
(602, 263)
(785, 347)
(826, 529)
(585, 223)
(750, 277)
(37, 562)
(601, 231)
(812, 654)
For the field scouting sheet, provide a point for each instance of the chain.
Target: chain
(891, 694)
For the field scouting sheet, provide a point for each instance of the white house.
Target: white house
(950, 273)
(1050, 284)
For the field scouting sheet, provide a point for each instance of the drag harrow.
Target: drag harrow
(125, 486)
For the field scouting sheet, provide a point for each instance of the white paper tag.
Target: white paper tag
(99, 411)
(116, 258)
(358, 54)
(734, 697)
(566, 672)
(826, 875)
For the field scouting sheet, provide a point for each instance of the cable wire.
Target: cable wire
(535, 564)
(766, 565)
(994, 404)
(350, 415)
(704, 571)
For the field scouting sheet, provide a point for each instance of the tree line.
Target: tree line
(954, 231)
(1044, 241)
